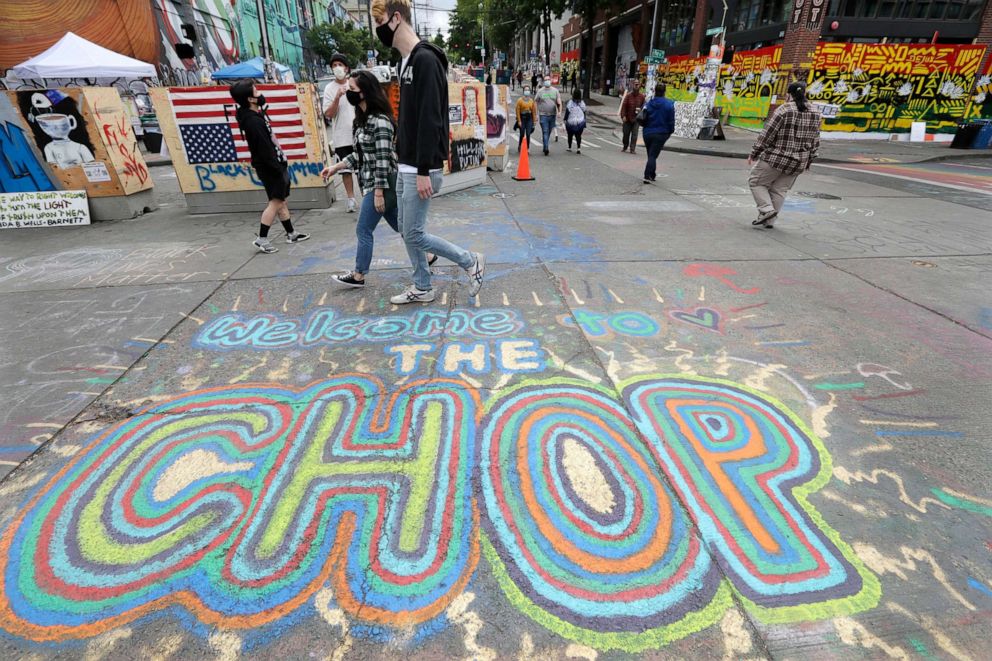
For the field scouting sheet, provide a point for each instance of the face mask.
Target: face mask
(385, 34)
(354, 98)
(547, 83)
(526, 92)
(339, 72)
(260, 100)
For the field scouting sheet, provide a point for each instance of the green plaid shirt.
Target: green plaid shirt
(374, 158)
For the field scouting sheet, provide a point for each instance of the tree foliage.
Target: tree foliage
(329, 38)
(466, 23)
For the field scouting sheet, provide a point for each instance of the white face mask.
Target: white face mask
(339, 72)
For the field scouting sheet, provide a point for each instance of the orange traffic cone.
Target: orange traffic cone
(523, 165)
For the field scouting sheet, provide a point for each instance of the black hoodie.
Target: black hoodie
(422, 131)
(265, 155)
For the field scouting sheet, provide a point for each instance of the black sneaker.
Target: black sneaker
(348, 280)
(296, 237)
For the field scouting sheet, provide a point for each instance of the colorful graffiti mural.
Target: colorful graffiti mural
(747, 85)
(22, 165)
(238, 503)
(886, 87)
(681, 75)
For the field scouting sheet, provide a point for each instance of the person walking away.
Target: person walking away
(533, 81)
(548, 106)
(421, 148)
(784, 149)
(526, 114)
(632, 103)
(375, 162)
(342, 116)
(269, 162)
(575, 120)
(658, 128)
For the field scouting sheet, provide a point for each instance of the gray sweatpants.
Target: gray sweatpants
(769, 186)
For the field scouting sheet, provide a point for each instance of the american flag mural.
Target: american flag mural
(208, 126)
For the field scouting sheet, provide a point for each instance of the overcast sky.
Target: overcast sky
(434, 19)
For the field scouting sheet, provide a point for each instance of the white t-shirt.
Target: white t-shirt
(404, 168)
(341, 124)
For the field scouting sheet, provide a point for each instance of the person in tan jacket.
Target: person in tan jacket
(526, 114)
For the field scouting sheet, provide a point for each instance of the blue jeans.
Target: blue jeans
(526, 129)
(368, 218)
(547, 127)
(413, 225)
(653, 142)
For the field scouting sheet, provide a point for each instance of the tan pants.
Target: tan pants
(769, 186)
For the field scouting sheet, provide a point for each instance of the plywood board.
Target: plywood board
(66, 130)
(298, 124)
(117, 134)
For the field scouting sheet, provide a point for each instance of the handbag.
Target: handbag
(390, 193)
(642, 116)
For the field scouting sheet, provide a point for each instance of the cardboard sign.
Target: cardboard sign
(44, 209)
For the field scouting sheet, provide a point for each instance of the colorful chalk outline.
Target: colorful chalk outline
(277, 522)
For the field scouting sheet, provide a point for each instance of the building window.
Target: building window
(675, 22)
(951, 10)
(756, 13)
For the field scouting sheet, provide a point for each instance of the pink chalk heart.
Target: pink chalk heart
(703, 317)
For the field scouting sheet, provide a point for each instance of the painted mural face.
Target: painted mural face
(58, 126)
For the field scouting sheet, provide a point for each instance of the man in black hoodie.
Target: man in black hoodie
(269, 162)
(421, 148)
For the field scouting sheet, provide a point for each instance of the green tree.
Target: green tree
(538, 14)
(438, 40)
(329, 38)
(588, 9)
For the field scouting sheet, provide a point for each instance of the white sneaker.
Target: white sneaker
(351, 205)
(413, 295)
(476, 273)
(296, 237)
(264, 245)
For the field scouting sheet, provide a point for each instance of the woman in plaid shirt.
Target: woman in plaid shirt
(784, 149)
(375, 162)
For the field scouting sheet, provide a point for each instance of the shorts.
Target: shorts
(276, 182)
(343, 153)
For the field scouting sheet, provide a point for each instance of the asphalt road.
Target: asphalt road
(657, 432)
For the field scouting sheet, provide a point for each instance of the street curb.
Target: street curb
(158, 163)
(958, 154)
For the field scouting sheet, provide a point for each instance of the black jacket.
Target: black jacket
(422, 131)
(264, 153)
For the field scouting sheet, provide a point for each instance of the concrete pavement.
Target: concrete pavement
(657, 433)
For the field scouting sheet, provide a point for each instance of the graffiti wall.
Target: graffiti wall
(208, 151)
(285, 31)
(85, 137)
(469, 125)
(682, 75)
(31, 26)
(497, 99)
(886, 87)
(747, 84)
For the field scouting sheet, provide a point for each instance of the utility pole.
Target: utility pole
(654, 25)
(368, 8)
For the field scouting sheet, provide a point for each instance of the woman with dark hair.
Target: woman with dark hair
(575, 120)
(785, 148)
(375, 162)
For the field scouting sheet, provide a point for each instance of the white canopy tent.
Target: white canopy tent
(74, 57)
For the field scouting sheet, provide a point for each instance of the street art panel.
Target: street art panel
(284, 31)
(497, 99)
(86, 138)
(747, 84)
(682, 75)
(23, 167)
(217, 31)
(981, 101)
(208, 151)
(886, 87)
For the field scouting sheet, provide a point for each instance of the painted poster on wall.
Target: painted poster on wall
(22, 165)
(209, 154)
(472, 98)
(85, 138)
(887, 87)
(682, 75)
(496, 118)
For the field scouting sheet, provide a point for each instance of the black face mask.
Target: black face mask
(385, 34)
(354, 98)
(260, 100)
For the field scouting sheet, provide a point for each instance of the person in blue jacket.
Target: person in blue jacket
(658, 128)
